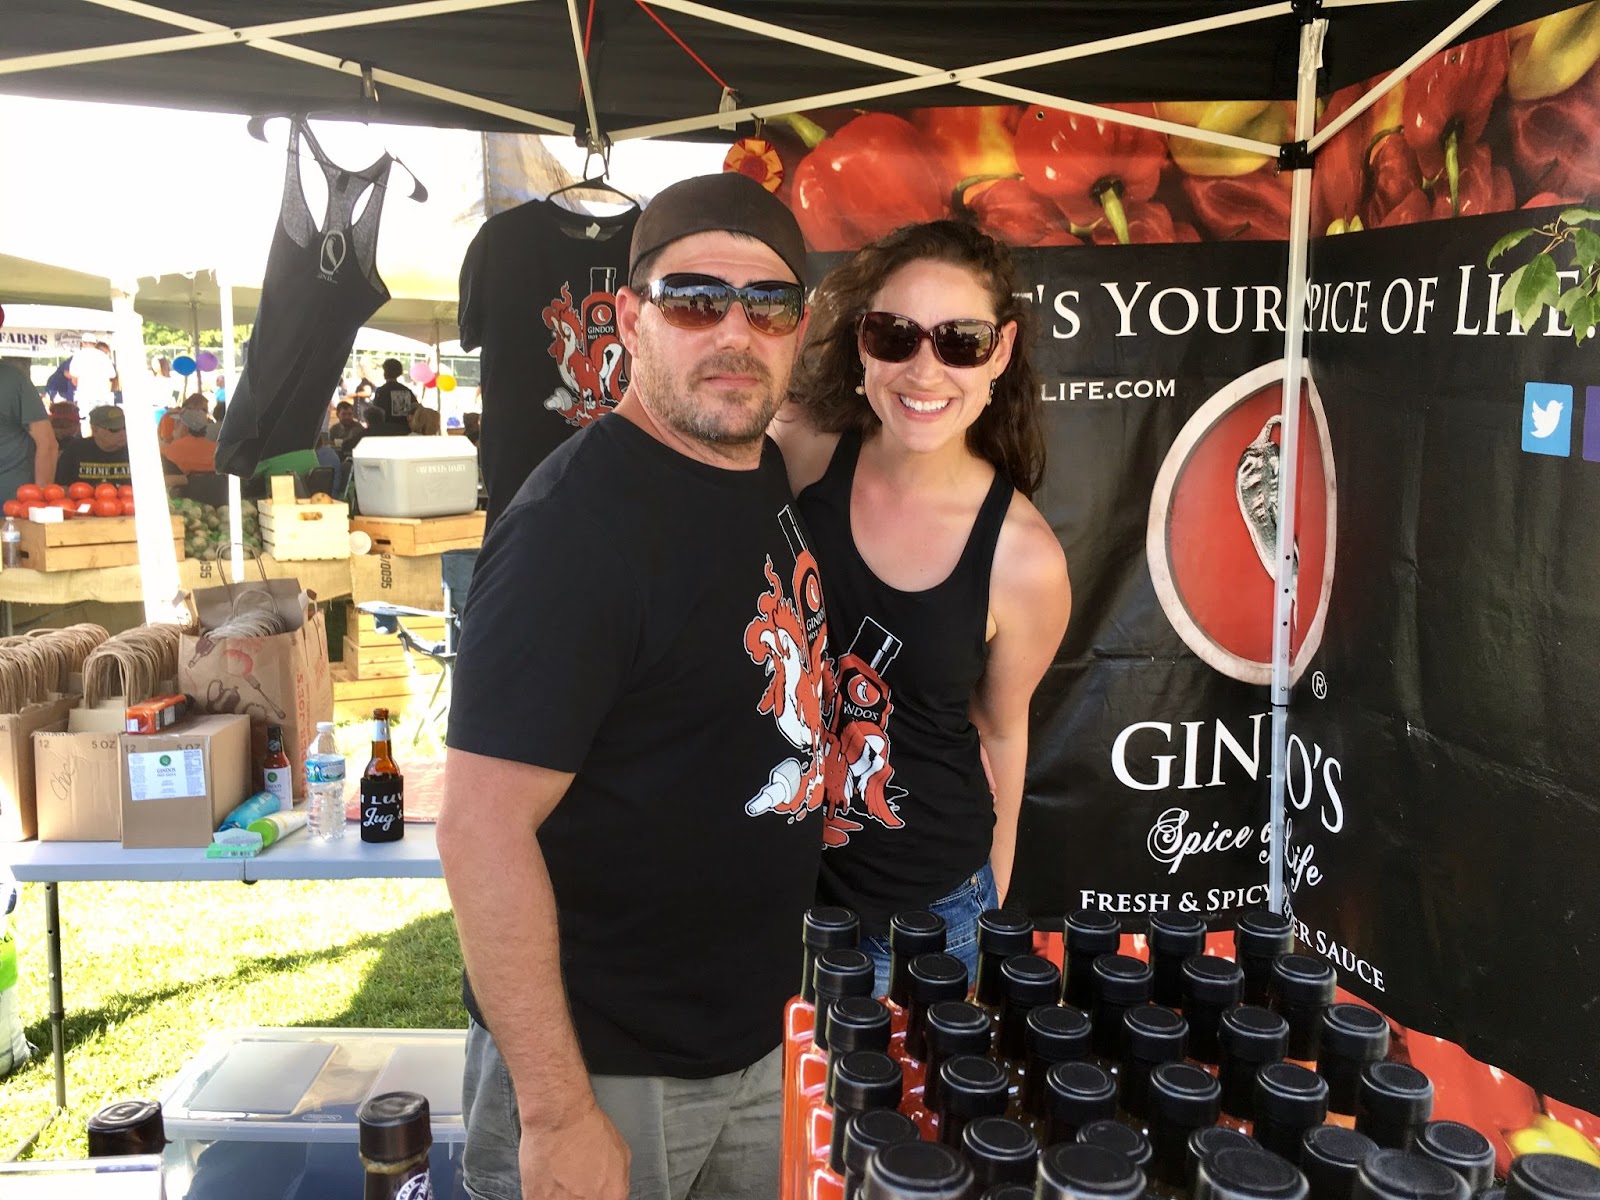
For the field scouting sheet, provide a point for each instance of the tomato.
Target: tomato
(54, 493)
(106, 491)
(125, 491)
(30, 493)
(109, 507)
(127, 506)
(81, 491)
(13, 508)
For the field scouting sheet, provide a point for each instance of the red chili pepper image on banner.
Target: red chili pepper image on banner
(1253, 207)
(874, 175)
(1093, 170)
(1338, 184)
(1446, 106)
(1010, 211)
(1553, 140)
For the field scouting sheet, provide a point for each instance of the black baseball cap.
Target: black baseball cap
(724, 203)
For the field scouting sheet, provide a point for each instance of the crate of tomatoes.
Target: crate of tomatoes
(78, 527)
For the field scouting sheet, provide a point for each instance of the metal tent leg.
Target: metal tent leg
(58, 1009)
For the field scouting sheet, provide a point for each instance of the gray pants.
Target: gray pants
(692, 1139)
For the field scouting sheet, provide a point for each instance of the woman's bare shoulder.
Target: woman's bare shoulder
(806, 449)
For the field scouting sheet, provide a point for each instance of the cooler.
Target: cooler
(270, 1114)
(415, 476)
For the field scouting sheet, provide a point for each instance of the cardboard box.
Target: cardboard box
(79, 785)
(176, 786)
(18, 790)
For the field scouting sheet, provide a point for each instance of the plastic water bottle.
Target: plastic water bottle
(11, 544)
(325, 785)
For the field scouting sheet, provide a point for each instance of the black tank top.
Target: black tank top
(909, 812)
(319, 287)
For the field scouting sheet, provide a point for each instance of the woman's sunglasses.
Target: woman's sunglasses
(700, 301)
(964, 342)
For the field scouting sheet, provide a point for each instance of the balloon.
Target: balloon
(421, 372)
(183, 365)
(447, 383)
(207, 360)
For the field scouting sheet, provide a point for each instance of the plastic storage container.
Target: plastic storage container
(270, 1114)
(415, 476)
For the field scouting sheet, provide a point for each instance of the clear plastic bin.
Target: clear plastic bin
(270, 1114)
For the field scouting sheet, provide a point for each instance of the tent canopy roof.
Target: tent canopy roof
(516, 60)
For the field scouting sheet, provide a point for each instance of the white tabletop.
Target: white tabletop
(298, 856)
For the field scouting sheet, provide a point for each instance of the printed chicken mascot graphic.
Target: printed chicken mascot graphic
(587, 350)
(858, 771)
(792, 644)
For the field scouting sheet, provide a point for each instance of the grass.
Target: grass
(151, 969)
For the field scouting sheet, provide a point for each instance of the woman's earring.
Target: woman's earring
(861, 389)
(992, 382)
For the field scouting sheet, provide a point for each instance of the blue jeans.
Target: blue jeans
(960, 910)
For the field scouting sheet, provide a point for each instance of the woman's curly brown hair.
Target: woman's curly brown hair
(1010, 432)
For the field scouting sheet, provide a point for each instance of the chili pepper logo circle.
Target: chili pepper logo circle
(864, 694)
(1213, 527)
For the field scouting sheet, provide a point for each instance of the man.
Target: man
(637, 666)
(346, 431)
(67, 422)
(102, 457)
(394, 399)
(472, 426)
(27, 442)
(91, 373)
(191, 452)
(169, 430)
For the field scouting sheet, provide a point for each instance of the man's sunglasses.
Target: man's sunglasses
(964, 342)
(687, 301)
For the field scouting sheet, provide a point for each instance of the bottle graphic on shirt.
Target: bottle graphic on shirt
(599, 310)
(807, 582)
(858, 758)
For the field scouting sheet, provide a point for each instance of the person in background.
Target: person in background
(395, 399)
(379, 425)
(219, 389)
(424, 421)
(345, 431)
(27, 440)
(67, 422)
(170, 428)
(102, 457)
(59, 386)
(472, 426)
(92, 374)
(218, 411)
(169, 387)
(191, 452)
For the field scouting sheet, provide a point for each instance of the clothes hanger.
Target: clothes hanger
(595, 183)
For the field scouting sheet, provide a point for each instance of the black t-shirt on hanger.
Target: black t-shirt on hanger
(538, 293)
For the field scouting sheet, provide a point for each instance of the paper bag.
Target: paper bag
(281, 679)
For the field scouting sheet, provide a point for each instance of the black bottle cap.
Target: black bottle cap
(1263, 934)
(1401, 1175)
(956, 1027)
(1304, 981)
(1291, 1095)
(1001, 1151)
(1090, 931)
(871, 1131)
(394, 1126)
(1355, 1032)
(1029, 979)
(1118, 1138)
(1253, 1034)
(1329, 1155)
(1461, 1148)
(916, 932)
(1177, 934)
(857, 1023)
(1208, 1139)
(1057, 1033)
(973, 1086)
(1009, 1191)
(936, 977)
(1156, 1034)
(1079, 1092)
(840, 973)
(1395, 1093)
(924, 1170)
(1081, 1172)
(1552, 1177)
(1184, 1095)
(866, 1079)
(1247, 1173)
(830, 928)
(127, 1127)
(1208, 979)
(1004, 933)
(1122, 979)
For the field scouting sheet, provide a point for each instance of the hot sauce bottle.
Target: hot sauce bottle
(383, 804)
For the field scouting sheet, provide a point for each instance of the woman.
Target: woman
(913, 441)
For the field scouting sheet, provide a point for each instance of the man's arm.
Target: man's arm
(506, 918)
(45, 451)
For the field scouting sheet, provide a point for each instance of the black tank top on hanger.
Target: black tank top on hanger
(321, 285)
(909, 812)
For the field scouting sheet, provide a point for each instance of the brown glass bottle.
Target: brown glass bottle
(127, 1127)
(867, 1133)
(917, 1171)
(396, 1135)
(1001, 935)
(1183, 1098)
(1302, 989)
(1329, 1156)
(1258, 938)
(1211, 986)
(383, 805)
(1393, 1103)
(1352, 1036)
(1154, 1035)
(1289, 1100)
(276, 776)
(1388, 1174)
(1090, 933)
(1000, 1150)
(1250, 1037)
(1173, 938)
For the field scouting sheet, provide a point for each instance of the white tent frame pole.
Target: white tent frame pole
(1294, 370)
(245, 33)
(404, 83)
(1398, 76)
(596, 139)
(235, 495)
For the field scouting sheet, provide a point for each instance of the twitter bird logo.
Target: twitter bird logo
(1547, 419)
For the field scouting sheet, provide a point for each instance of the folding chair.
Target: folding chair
(455, 570)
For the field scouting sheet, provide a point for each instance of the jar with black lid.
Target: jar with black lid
(127, 1127)
(395, 1138)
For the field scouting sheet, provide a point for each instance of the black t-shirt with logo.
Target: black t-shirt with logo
(538, 293)
(655, 625)
(82, 461)
(397, 402)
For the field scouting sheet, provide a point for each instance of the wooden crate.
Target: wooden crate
(86, 542)
(292, 531)
(354, 699)
(384, 662)
(412, 536)
(362, 629)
